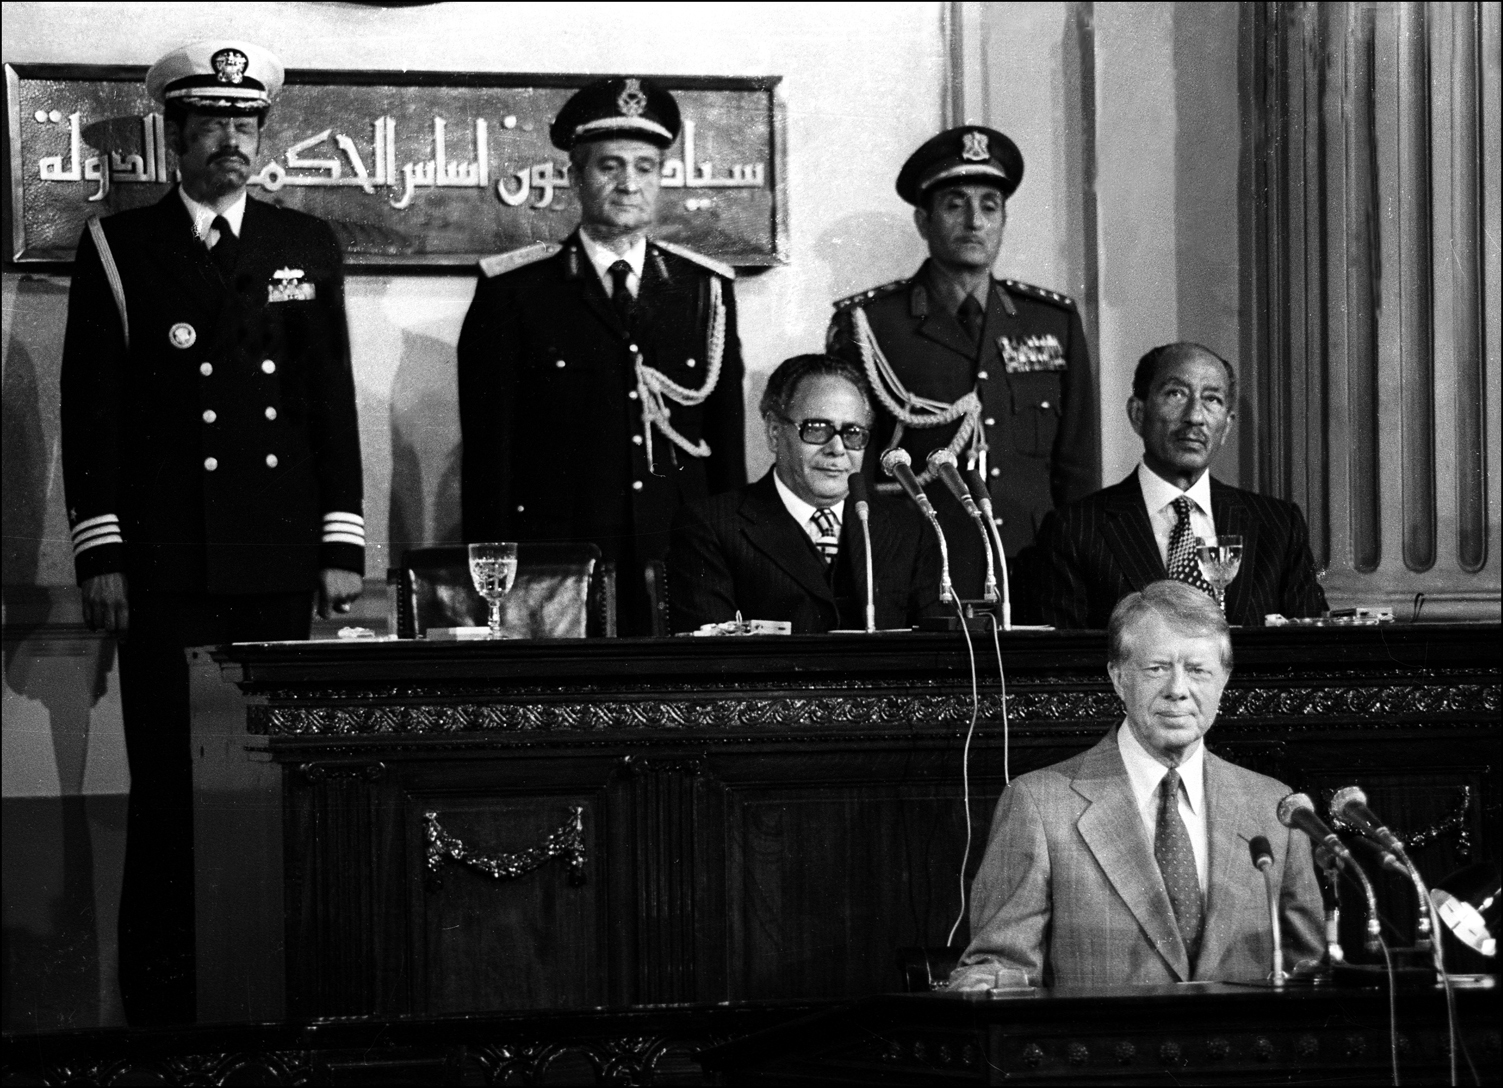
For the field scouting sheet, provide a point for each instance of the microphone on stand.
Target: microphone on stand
(1350, 804)
(863, 515)
(942, 464)
(1297, 812)
(982, 497)
(897, 464)
(1330, 898)
(1262, 859)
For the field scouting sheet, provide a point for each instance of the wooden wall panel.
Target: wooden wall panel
(1372, 208)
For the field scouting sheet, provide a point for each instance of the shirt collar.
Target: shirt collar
(203, 216)
(796, 506)
(950, 293)
(1144, 773)
(1159, 492)
(602, 258)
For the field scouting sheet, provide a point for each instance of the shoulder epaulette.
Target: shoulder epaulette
(861, 298)
(720, 268)
(519, 258)
(1043, 294)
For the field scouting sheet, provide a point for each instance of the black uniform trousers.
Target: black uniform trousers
(158, 981)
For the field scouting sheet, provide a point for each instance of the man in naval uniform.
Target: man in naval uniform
(996, 370)
(600, 377)
(210, 457)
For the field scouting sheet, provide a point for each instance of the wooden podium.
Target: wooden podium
(708, 820)
(1193, 1033)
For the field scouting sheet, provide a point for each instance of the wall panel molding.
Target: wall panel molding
(1370, 221)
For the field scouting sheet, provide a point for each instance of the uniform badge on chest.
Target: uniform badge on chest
(182, 336)
(1032, 353)
(287, 286)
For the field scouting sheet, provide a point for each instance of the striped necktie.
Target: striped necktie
(827, 529)
(1183, 566)
(1176, 858)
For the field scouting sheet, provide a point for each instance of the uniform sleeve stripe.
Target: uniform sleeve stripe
(341, 516)
(113, 538)
(344, 538)
(96, 532)
(89, 523)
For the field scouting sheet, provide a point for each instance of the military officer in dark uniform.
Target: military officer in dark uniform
(210, 457)
(600, 377)
(996, 370)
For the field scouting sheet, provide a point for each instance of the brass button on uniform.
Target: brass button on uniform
(636, 485)
(271, 460)
(206, 369)
(636, 440)
(560, 364)
(631, 395)
(689, 363)
(996, 472)
(1044, 404)
(632, 348)
(268, 366)
(271, 413)
(991, 421)
(982, 375)
(210, 464)
(520, 508)
(209, 415)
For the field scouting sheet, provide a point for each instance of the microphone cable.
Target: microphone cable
(965, 766)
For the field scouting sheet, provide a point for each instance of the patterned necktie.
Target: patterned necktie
(226, 251)
(970, 316)
(621, 299)
(1183, 566)
(828, 528)
(1176, 858)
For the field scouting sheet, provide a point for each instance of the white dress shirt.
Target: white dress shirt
(203, 215)
(602, 258)
(803, 512)
(1158, 498)
(1144, 774)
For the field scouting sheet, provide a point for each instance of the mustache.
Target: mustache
(229, 153)
(1198, 433)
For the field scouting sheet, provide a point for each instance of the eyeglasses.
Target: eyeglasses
(816, 432)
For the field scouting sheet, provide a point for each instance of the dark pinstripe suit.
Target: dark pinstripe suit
(1097, 550)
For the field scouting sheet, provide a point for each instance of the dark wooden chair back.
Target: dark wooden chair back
(561, 591)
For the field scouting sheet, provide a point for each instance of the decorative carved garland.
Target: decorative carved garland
(828, 708)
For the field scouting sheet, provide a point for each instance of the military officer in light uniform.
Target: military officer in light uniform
(210, 457)
(600, 377)
(996, 370)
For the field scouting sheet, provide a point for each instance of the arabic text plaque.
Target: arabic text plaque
(410, 168)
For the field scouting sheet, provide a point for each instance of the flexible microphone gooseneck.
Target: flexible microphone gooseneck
(1262, 859)
(863, 515)
(897, 464)
(983, 499)
(1350, 805)
(1297, 812)
(942, 464)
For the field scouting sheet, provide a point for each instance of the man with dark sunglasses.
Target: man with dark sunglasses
(788, 547)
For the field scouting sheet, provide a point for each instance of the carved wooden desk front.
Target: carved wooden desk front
(461, 827)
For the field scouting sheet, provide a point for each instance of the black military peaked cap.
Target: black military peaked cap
(623, 107)
(969, 154)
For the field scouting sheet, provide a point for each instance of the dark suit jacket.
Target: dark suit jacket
(552, 428)
(140, 423)
(1032, 371)
(1096, 551)
(1069, 893)
(743, 551)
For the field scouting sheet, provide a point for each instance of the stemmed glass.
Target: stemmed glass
(1219, 562)
(493, 569)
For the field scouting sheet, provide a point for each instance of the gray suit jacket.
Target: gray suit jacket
(1069, 893)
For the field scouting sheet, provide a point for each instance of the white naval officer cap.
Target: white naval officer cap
(217, 76)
